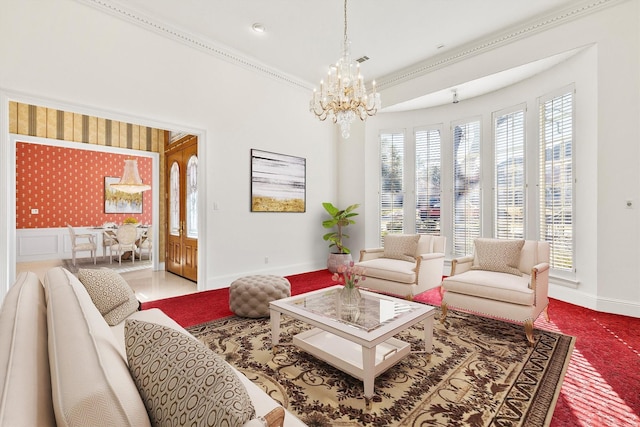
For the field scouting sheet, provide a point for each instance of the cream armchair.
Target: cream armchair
(506, 279)
(407, 265)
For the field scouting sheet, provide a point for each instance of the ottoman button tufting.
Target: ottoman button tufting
(250, 296)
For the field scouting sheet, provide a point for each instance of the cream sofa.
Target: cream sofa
(407, 265)
(506, 279)
(62, 364)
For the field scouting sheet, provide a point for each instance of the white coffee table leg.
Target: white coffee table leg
(275, 328)
(369, 366)
(428, 336)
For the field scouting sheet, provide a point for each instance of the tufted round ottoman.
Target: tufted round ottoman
(250, 296)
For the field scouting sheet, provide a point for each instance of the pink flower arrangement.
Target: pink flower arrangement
(350, 275)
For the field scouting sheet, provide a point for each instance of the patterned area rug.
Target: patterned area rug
(481, 373)
(126, 266)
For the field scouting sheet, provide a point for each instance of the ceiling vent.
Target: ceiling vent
(362, 59)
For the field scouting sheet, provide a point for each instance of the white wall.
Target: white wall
(72, 56)
(606, 75)
(64, 53)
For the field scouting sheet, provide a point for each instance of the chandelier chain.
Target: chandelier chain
(344, 96)
(346, 39)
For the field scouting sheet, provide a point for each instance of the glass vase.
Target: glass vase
(350, 304)
(350, 297)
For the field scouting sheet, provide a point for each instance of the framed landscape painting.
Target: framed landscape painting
(119, 201)
(278, 182)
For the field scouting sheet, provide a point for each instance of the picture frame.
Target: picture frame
(119, 202)
(278, 182)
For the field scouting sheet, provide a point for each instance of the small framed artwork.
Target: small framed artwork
(278, 182)
(118, 201)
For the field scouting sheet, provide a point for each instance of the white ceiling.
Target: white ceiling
(303, 37)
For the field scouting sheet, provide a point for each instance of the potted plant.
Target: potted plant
(340, 218)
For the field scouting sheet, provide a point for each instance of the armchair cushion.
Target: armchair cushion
(498, 255)
(390, 269)
(493, 286)
(401, 246)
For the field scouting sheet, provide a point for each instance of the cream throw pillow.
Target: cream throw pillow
(110, 293)
(401, 246)
(498, 255)
(181, 381)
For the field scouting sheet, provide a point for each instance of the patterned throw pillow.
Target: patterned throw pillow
(110, 293)
(502, 256)
(181, 381)
(401, 246)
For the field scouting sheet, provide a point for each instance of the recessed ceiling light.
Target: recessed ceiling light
(258, 28)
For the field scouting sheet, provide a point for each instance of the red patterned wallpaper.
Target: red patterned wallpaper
(66, 185)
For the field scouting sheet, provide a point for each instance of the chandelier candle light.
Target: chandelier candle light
(344, 96)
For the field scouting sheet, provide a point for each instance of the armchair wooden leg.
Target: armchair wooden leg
(546, 314)
(444, 311)
(528, 330)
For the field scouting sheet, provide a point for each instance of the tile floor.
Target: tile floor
(148, 285)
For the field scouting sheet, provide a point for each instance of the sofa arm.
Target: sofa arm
(429, 270)
(372, 253)
(433, 255)
(462, 264)
(540, 282)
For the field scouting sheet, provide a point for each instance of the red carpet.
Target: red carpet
(601, 386)
(189, 310)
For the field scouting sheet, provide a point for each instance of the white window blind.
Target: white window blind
(466, 187)
(556, 179)
(391, 183)
(427, 181)
(509, 185)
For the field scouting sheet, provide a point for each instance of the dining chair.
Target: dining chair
(126, 237)
(146, 242)
(108, 240)
(88, 246)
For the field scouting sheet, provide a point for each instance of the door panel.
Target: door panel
(182, 235)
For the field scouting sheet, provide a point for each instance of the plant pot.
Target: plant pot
(336, 260)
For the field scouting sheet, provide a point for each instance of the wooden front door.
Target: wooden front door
(182, 208)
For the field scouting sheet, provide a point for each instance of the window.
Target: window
(427, 175)
(466, 186)
(174, 200)
(391, 183)
(509, 185)
(556, 218)
(192, 198)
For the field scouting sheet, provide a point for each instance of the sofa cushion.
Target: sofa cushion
(91, 383)
(110, 293)
(498, 255)
(25, 383)
(492, 285)
(181, 381)
(401, 246)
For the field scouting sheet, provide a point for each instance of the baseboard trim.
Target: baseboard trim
(593, 302)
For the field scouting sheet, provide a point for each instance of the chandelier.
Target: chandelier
(344, 96)
(130, 181)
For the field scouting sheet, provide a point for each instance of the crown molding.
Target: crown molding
(523, 30)
(501, 38)
(193, 41)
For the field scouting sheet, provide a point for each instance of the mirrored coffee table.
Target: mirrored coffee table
(359, 341)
